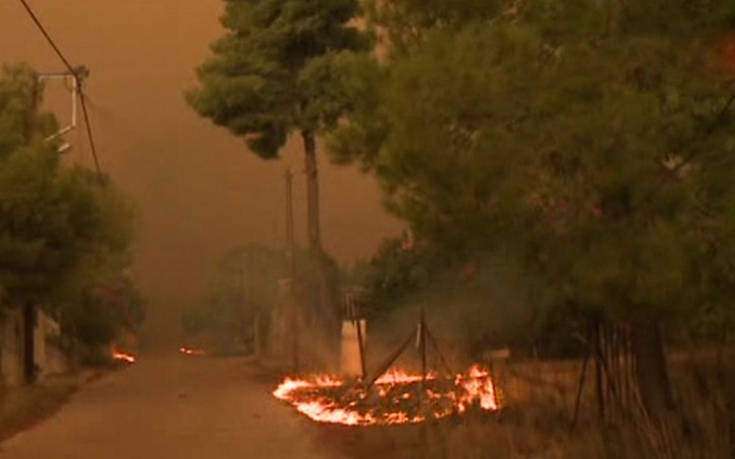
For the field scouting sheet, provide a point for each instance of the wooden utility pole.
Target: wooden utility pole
(253, 306)
(293, 309)
(289, 225)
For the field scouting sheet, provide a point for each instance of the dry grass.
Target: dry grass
(535, 423)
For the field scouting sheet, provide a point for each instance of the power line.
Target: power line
(73, 71)
(82, 99)
(47, 36)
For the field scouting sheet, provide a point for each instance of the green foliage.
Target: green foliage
(486, 300)
(54, 221)
(592, 141)
(404, 23)
(272, 72)
(19, 123)
(91, 321)
(394, 274)
(63, 231)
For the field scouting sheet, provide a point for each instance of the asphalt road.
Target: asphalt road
(171, 407)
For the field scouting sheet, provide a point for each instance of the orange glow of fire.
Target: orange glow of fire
(123, 357)
(396, 376)
(478, 388)
(189, 351)
(398, 397)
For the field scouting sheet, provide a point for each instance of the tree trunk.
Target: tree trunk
(312, 193)
(29, 354)
(329, 308)
(651, 370)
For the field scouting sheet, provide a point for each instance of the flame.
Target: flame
(123, 357)
(399, 397)
(396, 376)
(478, 388)
(189, 351)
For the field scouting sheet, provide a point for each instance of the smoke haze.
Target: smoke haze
(198, 189)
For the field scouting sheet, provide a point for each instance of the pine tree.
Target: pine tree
(273, 74)
(594, 140)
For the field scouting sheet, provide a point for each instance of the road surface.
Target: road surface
(171, 407)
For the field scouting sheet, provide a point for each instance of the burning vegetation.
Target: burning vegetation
(397, 397)
(123, 357)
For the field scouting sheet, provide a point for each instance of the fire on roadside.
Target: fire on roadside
(397, 397)
(191, 351)
(123, 357)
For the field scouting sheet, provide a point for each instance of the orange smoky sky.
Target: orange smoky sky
(199, 191)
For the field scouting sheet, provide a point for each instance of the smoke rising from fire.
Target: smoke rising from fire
(495, 305)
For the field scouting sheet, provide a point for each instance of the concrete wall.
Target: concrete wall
(48, 356)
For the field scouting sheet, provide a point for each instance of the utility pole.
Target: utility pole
(239, 272)
(289, 225)
(293, 312)
(253, 306)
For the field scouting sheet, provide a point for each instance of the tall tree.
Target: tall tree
(593, 139)
(271, 75)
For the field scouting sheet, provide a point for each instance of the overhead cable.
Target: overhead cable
(73, 71)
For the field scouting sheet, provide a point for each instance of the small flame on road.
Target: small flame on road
(190, 351)
(398, 397)
(123, 357)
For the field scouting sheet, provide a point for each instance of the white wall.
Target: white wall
(47, 356)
